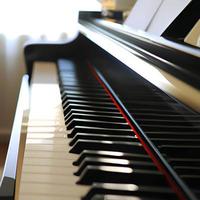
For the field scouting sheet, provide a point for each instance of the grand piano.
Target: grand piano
(112, 115)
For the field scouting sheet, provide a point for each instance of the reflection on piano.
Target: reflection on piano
(108, 119)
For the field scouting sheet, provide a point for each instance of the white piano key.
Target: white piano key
(49, 179)
(50, 155)
(45, 141)
(47, 162)
(47, 147)
(46, 197)
(46, 135)
(46, 123)
(54, 168)
(49, 129)
(53, 189)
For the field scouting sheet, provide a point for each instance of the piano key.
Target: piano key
(91, 136)
(44, 169)
(86, 102)
(96, 123)
(110, 154)
(53, 190)
(74, 84)
(112, 174)
(127, 147)
(99, 130)
(91, 161)
(119, 197)
(50, 154)
(129, 190)
(48, 163)
(95, 116)
(89, 107)
(82, 89)
(46, 197)
(81, 111)
(46, 179)
(84, 97)
(85, 94)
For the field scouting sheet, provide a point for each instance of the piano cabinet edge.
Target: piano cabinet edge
(11, 166)
(21, 153)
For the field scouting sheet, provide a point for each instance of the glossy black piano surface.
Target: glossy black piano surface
(133, 136)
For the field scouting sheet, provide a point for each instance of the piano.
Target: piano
(112, 115)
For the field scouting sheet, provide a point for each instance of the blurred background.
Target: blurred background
(22, 21)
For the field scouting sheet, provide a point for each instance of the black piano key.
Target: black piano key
(114, 162)
(128, 147)
(84, 97)
(99, 130)
(129, 190)
(76, 84)
(82, 89)
(89, 107)
(84, 94)
(86, 102)
(94, 117)
(99, 113)
(96, 123)
(120, 197)
(92, 136)
(112, 174)
(86, 81)
(110, 154)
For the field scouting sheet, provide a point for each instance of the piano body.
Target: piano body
(113, 115)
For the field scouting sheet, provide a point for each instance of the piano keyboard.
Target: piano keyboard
(47, 171)
(92, 152)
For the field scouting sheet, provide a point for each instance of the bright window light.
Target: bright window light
(49, 20)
